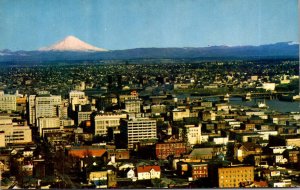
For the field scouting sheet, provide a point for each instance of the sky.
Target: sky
(126, 24)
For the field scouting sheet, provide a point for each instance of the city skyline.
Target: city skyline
(30, 25)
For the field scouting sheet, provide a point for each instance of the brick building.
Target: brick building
(198, 170)
(165, 149)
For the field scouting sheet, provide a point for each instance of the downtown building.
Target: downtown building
(77, 98)
(133, 105)
(193, 134)
(14, 132)
(8, 102)
(137, 129)
(43, 105)
(103, 121)
(48, 125)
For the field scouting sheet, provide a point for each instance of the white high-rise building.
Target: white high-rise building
(43, 105)
(138, 129)
(104, 121)
(8, 102)
(77, 98)
(193, 133)
(12, 133)
(133, 105)
(46, 123)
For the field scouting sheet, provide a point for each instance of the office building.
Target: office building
(137, 129)
(46, 123)
(43, 105)
(103, 121)
(232, 176)
(14, 133)
(133, 105)
(193, 134)
(77, 98)
(8, 102)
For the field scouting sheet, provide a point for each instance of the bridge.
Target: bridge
(248, 95)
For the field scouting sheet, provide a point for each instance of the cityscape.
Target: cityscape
(157, 115)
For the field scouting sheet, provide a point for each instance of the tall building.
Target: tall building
(47, 123)
(8, 102)
(124, 97)
(137, 129)
(43, 105)
(193, 134)
(77, 98)
(75, 94)
(133, 105)
(103, 121)
(11, 132)
(63, 109)
(82, 116)
(31, 109)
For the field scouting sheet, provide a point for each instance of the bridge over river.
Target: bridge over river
(246, 96)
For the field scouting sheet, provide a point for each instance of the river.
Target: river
(277, 105)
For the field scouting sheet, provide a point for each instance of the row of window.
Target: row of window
(141, 137)
(172, 146)
(152, 123)
(199, 172)
(233, 176)
(137, 135)
(15, 132)
(236, 171)
(233, 181)
(14, 139)
(3, 98)
(140, 130)
(200, 167)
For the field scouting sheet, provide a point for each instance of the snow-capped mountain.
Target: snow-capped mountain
(71, 43)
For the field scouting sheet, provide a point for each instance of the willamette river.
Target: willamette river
(277, 105)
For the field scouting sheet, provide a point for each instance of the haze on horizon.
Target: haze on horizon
(117, 24)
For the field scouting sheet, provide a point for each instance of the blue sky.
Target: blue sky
(124, 24)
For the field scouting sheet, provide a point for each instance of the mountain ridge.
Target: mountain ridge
(280, 49)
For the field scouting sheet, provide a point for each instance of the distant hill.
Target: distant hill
(281, 49)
